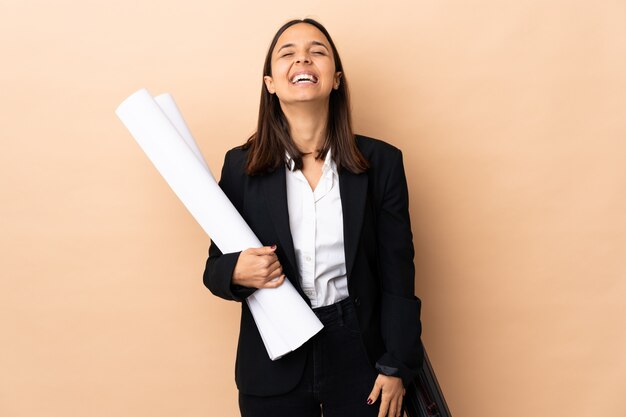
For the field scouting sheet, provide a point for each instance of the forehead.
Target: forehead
(301, 33)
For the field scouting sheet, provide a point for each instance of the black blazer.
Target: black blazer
(378, 245)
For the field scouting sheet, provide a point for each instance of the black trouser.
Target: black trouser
(337, 377)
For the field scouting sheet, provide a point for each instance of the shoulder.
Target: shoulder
(236, 156)
(235, 161)
(233, 168)
(233, 178)
(377, 150)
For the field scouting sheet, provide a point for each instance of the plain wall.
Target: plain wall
(510, 115)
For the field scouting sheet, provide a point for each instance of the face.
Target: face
(303, 52)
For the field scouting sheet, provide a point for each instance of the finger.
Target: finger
(277, 282)
(274, 283)
(263, 250)
(384, 406)
(371, 399)
(275, 269)
(392, 407)
(397, 406)
(264, 267)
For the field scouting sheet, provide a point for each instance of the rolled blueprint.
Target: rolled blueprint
(168, 106)
(283, 318)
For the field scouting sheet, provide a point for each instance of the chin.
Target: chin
(304, 99)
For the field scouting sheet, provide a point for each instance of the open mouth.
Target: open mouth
(304, 78)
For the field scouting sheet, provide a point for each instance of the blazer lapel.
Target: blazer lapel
(353, 191)
(275, 188)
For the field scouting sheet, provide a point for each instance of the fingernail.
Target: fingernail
(369, 401)
(273, 246)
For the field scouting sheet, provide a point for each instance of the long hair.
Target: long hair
(272, 137)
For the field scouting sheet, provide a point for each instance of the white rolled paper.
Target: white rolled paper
(283, 318)
(168, 106)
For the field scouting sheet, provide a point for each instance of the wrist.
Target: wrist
(234, 279)
(236, 276)
(402, 373)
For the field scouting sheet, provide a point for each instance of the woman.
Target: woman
(332, 209)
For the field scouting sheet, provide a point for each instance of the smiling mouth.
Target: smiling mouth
(304, 79)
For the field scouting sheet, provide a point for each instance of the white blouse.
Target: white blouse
(316, 223)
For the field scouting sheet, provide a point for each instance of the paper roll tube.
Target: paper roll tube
(283, 318)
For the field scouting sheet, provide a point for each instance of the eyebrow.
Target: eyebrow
(287, 45)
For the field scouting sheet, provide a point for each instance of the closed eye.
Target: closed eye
(316, 52)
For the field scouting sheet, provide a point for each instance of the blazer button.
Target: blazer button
(357, 301)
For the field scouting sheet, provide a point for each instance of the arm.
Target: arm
(219, 268)
(400, 311)
(237, 275)
(218, 275)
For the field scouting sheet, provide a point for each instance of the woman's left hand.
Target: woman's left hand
(392, 393)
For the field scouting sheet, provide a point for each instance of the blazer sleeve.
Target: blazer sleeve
(400, 309)
(219, 267)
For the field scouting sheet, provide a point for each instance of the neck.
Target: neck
(307, 124)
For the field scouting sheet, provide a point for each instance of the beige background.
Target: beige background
(511, 118)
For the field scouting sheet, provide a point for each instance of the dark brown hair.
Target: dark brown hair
(272, 138)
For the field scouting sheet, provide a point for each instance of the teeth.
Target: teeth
(303, 77)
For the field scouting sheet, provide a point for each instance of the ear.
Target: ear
(269, 84)
(338, 75)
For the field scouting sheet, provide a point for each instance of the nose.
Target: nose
(303, 56)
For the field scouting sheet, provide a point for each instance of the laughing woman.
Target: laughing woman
(332, 208)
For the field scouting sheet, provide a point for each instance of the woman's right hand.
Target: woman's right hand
(258, 267)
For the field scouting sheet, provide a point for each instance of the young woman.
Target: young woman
(332, 209)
